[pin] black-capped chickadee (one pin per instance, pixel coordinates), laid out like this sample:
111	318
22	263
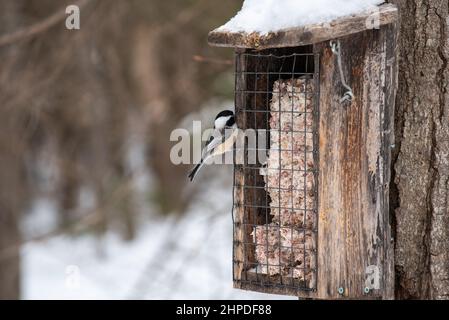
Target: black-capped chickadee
221	141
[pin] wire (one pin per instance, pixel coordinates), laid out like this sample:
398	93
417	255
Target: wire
336	50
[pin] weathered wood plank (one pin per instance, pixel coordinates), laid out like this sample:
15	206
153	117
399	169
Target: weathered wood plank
251	197
354	228
389	40
306	35
239	181
264	283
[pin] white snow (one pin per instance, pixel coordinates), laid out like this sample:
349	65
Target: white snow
185	258
264	16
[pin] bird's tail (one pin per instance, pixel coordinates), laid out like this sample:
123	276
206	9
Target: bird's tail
195	170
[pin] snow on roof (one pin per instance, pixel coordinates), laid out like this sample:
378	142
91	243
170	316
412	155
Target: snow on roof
264	16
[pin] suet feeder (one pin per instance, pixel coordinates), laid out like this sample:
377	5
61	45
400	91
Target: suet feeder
312	219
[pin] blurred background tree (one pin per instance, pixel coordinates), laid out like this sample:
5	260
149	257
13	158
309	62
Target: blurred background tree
70	101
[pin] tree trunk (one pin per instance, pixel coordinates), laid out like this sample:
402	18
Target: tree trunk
9	233
12	191
420	184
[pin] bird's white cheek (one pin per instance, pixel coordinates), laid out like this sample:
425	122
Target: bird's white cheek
220	123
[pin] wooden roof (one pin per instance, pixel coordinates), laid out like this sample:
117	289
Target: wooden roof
305	35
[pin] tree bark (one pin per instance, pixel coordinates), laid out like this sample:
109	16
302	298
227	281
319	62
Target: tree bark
9	231
12	189
420	184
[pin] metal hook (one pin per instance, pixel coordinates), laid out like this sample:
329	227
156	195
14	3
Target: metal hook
348	96
336	50
334	47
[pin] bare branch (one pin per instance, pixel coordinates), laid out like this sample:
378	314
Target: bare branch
199	58
37	28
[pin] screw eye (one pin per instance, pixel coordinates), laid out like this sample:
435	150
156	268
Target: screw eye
341	290
367	290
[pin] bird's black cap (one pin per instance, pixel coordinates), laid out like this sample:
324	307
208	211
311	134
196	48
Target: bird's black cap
224	113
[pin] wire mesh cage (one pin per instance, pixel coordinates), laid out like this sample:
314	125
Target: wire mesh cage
276	182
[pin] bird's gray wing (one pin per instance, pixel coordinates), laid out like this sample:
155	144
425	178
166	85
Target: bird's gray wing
227	143
212	145
215	139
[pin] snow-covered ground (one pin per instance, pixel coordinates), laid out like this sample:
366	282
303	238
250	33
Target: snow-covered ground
184	258
271	15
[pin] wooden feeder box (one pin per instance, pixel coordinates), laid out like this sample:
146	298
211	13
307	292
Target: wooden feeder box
312	218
